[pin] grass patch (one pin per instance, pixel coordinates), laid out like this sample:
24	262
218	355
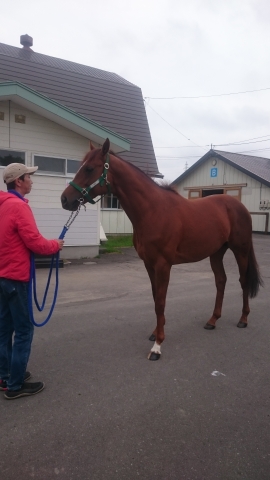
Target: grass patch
114	244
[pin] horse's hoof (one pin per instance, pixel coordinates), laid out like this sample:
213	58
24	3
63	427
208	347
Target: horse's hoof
241	324
152	338
208	326
154	356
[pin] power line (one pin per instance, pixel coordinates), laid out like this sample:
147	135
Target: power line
243	142
208	96
257	150
172	125
186	156
240	142
187	146
254	138
196	156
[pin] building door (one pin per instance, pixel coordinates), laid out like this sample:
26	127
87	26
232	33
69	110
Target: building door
233	191
206	193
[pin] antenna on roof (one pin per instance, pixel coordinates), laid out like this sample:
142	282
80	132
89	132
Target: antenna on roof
26	41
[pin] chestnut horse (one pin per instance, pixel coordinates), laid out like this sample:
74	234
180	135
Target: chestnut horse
169	229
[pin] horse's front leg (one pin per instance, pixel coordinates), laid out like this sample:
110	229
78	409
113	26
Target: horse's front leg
160	281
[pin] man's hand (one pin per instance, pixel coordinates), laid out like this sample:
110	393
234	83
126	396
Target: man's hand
60	243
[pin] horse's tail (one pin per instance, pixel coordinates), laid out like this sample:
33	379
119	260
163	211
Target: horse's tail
254	278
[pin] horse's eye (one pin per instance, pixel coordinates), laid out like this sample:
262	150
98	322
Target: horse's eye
89	169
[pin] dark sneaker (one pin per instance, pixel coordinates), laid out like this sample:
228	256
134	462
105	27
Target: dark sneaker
25	390
27	376
3	383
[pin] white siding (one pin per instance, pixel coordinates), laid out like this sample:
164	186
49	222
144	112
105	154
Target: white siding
51	223
39	136
115	222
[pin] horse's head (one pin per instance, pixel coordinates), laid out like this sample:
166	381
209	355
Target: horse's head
90	180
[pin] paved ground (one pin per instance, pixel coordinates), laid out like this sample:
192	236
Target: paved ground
107	413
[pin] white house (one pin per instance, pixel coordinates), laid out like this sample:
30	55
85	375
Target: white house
50	110
242	176
37	131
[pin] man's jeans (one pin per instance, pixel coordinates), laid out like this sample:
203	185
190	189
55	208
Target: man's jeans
14	318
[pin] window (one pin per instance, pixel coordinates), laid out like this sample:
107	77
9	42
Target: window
56	166
233	191
8	156
110	201
72	166
194	194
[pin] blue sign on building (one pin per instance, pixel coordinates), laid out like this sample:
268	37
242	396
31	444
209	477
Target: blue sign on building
213	172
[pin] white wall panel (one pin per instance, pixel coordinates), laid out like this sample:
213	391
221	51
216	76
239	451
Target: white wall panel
82	232
39	136
115	222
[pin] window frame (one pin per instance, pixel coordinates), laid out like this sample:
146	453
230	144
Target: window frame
55	174
12	150
110	209
225	188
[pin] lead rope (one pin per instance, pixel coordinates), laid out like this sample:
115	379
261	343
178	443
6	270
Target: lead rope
32	290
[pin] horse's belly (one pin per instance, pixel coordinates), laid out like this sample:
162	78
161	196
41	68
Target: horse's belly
196	248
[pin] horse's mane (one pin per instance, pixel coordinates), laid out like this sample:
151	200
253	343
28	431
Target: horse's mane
164	185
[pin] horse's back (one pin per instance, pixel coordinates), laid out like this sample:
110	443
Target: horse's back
223	204
206	224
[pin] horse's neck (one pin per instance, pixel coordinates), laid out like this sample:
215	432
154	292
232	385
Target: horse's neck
133	189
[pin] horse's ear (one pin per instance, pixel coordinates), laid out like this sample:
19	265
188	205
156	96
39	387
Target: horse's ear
92	146
105	147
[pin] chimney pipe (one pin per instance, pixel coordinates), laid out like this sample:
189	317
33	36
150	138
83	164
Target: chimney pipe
26	41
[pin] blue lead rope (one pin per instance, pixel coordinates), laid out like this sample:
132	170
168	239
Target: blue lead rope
32	290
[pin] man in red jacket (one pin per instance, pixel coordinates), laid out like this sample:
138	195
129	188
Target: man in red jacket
19	236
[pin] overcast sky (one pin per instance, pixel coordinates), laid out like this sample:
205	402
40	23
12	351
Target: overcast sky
210	49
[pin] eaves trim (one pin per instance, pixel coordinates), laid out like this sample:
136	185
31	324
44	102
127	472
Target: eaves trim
16	90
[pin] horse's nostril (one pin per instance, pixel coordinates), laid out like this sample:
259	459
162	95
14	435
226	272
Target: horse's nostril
63	199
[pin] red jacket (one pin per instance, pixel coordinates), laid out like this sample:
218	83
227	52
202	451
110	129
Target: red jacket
19	236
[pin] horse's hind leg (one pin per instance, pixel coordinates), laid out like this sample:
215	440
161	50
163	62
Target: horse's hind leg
216	262
242	261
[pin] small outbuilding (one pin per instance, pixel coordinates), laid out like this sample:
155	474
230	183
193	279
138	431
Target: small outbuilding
244	177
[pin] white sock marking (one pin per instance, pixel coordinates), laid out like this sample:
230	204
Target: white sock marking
156	348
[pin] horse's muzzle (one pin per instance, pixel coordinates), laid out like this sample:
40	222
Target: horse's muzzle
67	205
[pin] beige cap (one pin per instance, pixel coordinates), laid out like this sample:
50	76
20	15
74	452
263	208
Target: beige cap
15	170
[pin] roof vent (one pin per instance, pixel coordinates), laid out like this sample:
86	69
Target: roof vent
26	41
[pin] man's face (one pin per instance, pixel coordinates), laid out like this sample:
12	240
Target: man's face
25	185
